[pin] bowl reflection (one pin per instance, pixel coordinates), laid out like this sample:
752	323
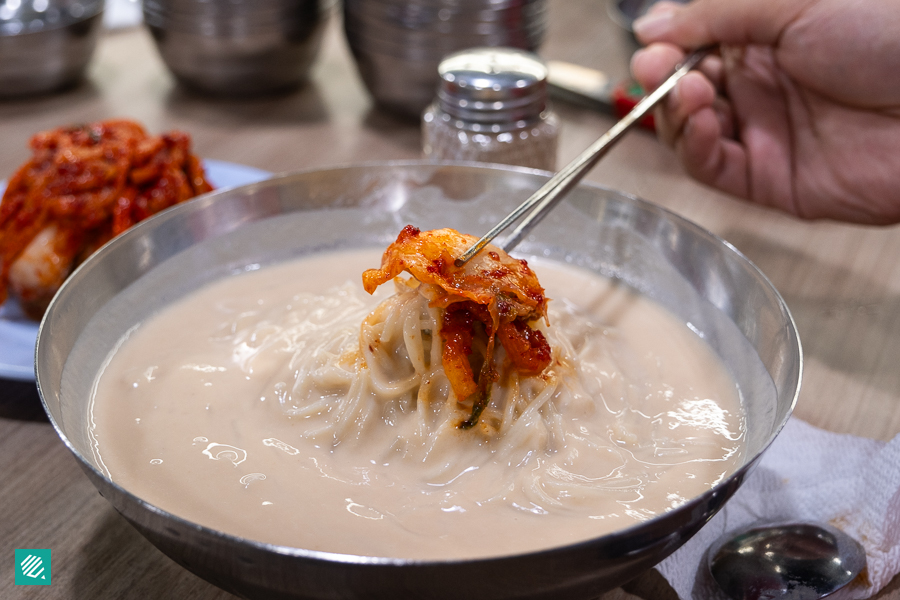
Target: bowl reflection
691	272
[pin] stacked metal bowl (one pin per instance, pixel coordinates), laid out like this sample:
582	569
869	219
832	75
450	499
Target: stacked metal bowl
46	44
398	44
238	47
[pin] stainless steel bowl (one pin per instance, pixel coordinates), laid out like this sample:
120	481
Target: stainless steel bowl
46	45
697	276
235	48
398	45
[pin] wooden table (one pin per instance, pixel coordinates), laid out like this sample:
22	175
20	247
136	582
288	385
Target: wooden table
841	282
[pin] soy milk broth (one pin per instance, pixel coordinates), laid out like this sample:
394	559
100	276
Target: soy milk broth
180	420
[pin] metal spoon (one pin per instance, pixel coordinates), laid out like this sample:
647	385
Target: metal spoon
791	562
543	200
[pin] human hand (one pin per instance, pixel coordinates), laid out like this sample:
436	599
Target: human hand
800	112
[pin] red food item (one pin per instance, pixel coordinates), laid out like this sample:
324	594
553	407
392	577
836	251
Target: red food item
82	186
493	295
526	347
625	96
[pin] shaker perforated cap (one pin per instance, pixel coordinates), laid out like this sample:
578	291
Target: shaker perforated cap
493	85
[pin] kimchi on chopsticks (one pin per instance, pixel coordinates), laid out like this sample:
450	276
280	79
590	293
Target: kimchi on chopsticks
492	298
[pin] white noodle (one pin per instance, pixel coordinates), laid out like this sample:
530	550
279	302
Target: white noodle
344	378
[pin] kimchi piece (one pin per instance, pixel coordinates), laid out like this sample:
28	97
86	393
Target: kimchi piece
82	186
491	298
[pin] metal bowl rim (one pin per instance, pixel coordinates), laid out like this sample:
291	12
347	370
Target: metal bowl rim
56	26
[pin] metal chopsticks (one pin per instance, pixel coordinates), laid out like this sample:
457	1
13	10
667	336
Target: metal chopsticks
549	195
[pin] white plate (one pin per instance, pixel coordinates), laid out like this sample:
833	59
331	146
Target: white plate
18	334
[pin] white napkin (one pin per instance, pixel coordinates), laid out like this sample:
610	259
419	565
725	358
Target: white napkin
809	474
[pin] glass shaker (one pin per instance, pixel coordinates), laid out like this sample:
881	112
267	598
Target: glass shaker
492	106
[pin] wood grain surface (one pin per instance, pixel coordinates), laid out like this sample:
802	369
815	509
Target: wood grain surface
841	282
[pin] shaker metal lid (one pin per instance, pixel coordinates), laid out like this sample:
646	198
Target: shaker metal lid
493	85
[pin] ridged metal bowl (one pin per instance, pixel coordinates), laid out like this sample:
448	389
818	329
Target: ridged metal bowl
238	47
398	45
697	276
46	45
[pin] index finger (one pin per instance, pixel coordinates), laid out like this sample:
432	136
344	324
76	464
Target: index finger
704	22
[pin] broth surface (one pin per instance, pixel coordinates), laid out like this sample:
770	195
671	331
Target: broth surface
192	415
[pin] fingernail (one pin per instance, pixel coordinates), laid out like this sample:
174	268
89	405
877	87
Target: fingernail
674	98
653	25
638	54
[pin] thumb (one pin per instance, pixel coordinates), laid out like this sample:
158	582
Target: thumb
703	22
